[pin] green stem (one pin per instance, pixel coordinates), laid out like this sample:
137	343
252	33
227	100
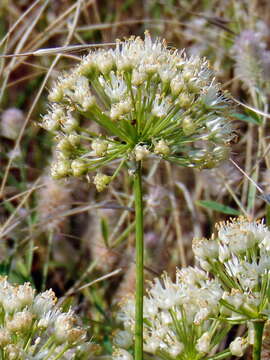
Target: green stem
139	263
267	214
257	348
61	353
47	260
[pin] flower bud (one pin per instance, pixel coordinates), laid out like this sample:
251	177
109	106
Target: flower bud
5	337
238	346
49	123
13	352
123	339
75	335
74	139
152	345
79	167
176	349
63	324
203	344
121	354
224	253
185	100
61	168
162	148
141	152
65	147
88	102
187	74
101	181
100	147
188	125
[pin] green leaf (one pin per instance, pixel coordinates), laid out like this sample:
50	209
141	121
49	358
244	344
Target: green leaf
105	231
251	118
213	205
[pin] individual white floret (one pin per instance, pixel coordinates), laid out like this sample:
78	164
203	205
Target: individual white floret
151	345
224	253
104	61
205	249
191	275
161	107
121	354
82	94
116	89
204	343
56	93
167	294
176	349
177	84
5	337
238	346
123	339
44	302
21	322
48	318
139	76
70	124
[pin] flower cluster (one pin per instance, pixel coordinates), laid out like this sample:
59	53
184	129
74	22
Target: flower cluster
179	317
188	318
240	258
32	326
148	101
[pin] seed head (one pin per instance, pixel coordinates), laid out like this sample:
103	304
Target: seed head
11	122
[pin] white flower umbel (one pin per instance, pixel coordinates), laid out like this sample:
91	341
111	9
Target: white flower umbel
146	98
33	327
240	258
179	317
242	267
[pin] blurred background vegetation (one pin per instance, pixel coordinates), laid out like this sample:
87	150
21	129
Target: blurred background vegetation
65	235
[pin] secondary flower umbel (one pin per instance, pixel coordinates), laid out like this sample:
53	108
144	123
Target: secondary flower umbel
148	100
239	258
34	327
179	317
